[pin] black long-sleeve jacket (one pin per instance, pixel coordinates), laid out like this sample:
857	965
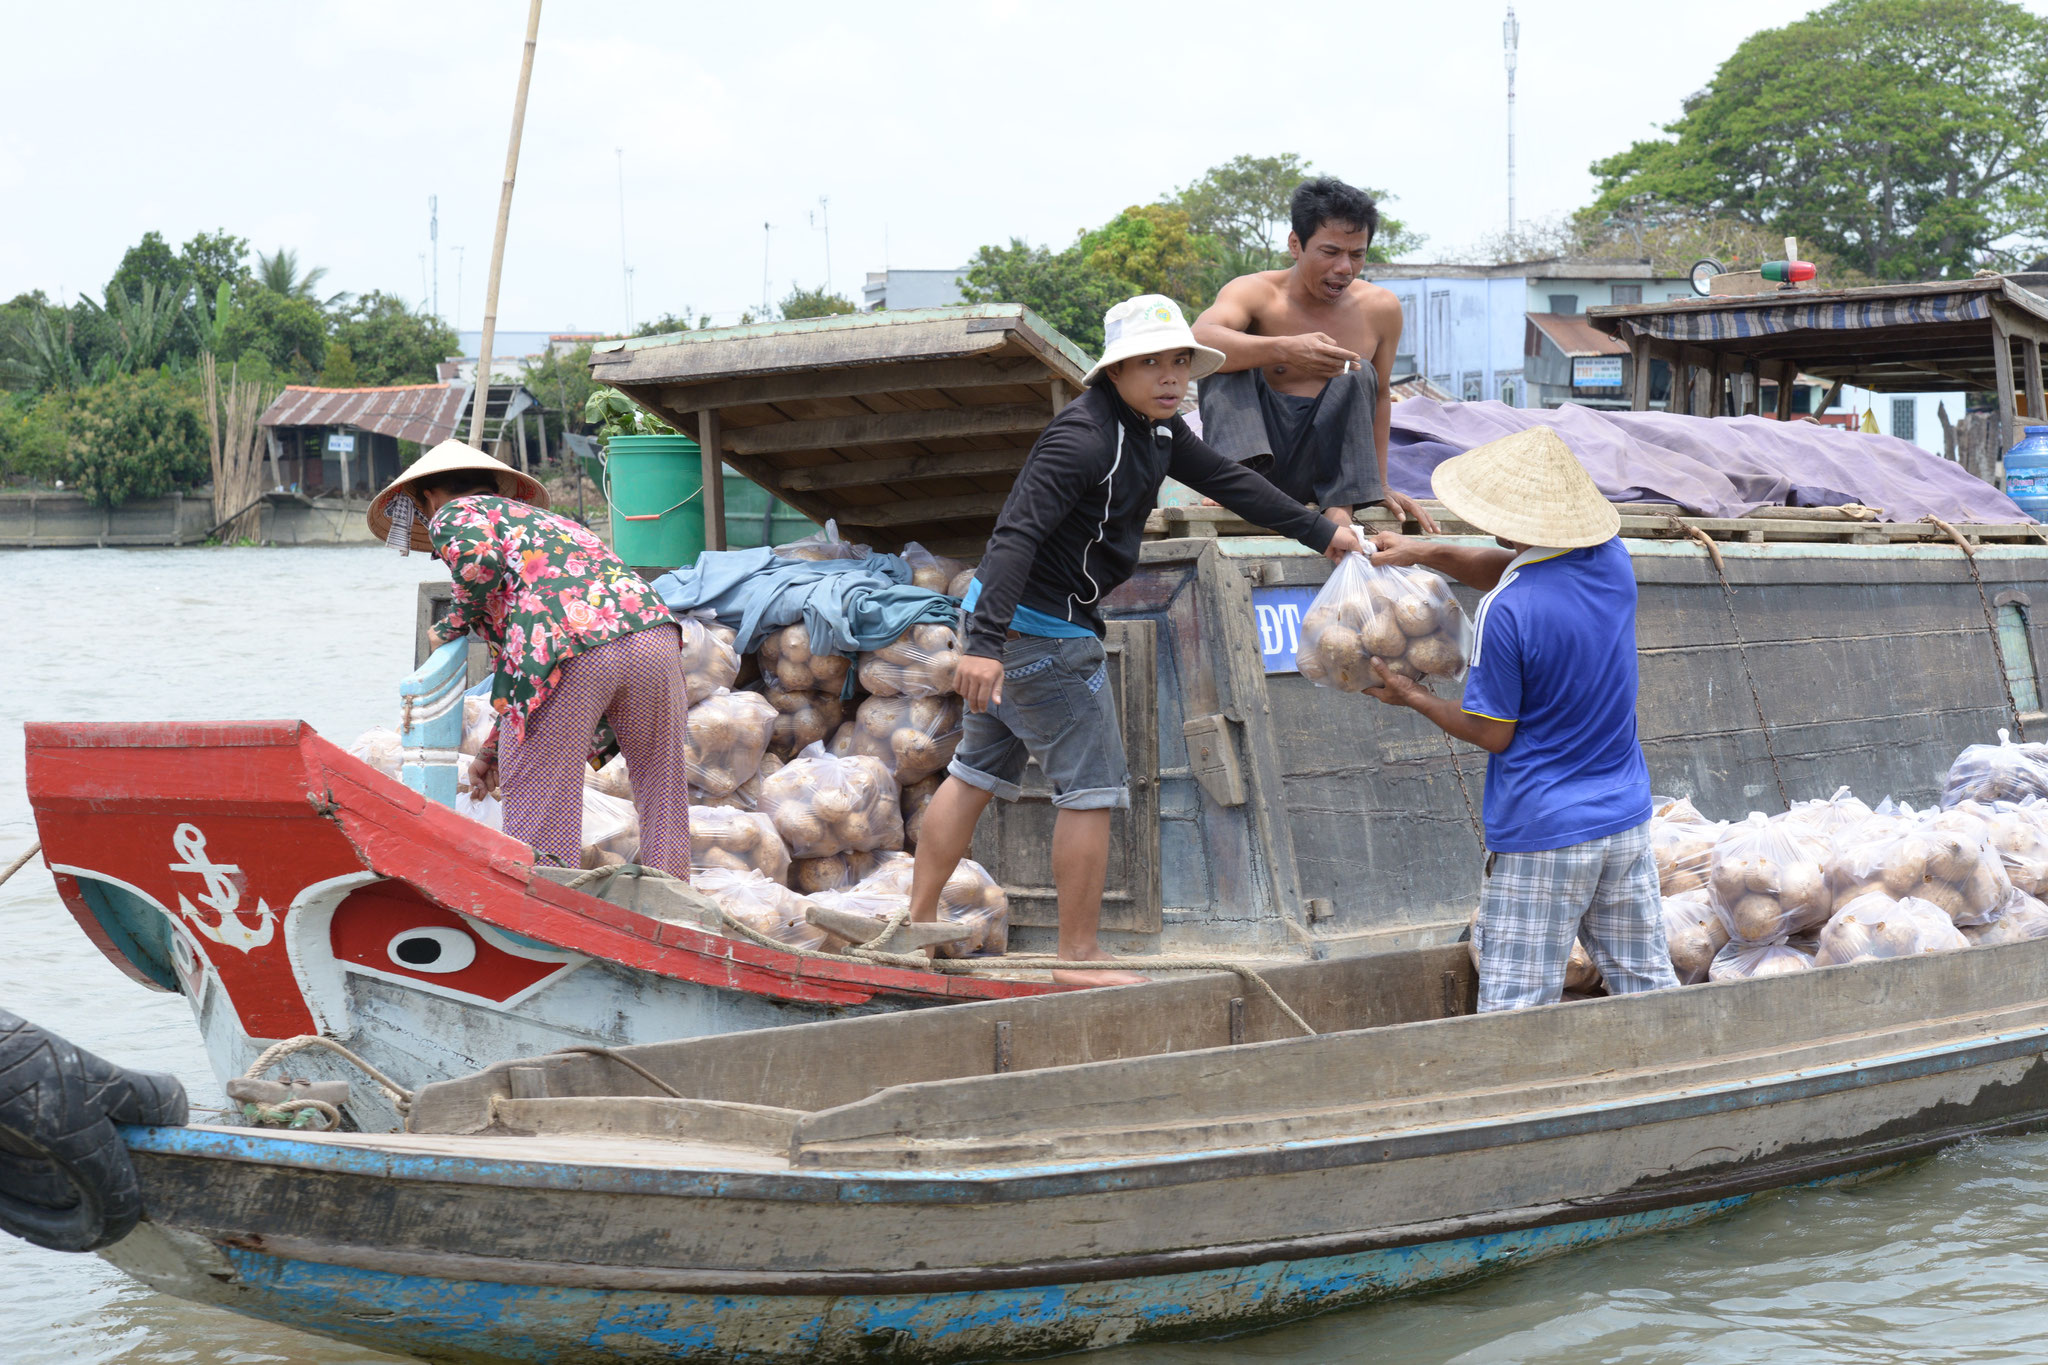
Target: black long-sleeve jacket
1070	529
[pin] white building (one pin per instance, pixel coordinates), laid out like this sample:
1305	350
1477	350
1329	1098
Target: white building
901	289
1468	328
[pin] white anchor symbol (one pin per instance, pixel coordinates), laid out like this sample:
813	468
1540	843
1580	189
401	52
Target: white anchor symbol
222	896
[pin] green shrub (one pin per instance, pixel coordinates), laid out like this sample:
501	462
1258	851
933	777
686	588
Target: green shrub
33	435
137	436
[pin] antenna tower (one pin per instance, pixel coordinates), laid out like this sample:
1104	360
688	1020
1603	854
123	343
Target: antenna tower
1510	40
434	236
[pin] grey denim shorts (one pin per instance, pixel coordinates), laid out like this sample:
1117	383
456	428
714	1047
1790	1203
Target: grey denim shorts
1056	708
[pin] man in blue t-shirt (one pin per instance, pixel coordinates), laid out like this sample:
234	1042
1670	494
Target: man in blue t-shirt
1552	696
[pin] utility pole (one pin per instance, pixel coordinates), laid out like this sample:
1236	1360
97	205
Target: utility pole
767	231
490	337
434	236
1510	40
625	271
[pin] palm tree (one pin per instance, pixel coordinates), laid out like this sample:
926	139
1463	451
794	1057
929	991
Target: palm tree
279	272
40	352
143	326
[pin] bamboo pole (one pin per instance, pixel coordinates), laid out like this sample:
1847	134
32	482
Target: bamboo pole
490	337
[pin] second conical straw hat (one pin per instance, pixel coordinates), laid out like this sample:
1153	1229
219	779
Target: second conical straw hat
1527	487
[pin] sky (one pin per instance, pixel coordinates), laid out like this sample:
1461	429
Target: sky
916	131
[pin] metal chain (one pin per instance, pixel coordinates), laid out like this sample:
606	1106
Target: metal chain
1471	812
1741	649
1990	622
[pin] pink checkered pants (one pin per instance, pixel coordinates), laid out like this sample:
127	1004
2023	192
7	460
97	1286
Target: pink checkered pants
635	682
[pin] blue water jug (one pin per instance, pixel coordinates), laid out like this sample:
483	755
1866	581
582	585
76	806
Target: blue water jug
2026	473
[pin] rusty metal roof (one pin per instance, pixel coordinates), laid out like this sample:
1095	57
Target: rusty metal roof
426	413
1573	334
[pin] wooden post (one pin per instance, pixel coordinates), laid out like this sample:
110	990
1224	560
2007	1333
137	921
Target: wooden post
1788	374
714	479
519	438
2037	401
1639	377
1059	395
490	337
276	475
1717	385
2001	364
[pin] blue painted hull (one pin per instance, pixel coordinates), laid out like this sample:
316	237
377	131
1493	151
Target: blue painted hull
455	1320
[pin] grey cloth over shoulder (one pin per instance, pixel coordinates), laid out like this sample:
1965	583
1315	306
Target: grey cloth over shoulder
1316	449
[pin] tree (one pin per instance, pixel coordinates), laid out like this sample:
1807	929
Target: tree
212	259
34	434
391	343
38	346
144	328
136	436
279	273
1670	241
562	382
673	322
1907	136
1152	249
1244	205
151	263
815	303
1060	287
289	333
338	368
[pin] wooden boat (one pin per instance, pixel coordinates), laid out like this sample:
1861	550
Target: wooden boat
1269	818
1025	1177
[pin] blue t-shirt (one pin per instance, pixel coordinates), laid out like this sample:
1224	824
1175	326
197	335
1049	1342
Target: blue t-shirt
1025	621
1554	650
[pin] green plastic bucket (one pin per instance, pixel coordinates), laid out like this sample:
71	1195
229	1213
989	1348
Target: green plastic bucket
753	517
651	487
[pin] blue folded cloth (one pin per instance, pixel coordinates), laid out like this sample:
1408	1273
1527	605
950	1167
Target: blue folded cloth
849	605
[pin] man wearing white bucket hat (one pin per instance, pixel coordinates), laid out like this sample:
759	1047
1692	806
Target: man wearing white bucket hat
1032	669
1551	695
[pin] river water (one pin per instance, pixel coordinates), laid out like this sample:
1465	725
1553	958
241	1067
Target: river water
1944	1261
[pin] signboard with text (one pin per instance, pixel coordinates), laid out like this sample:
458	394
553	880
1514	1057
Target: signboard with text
1596	371
1279	610
341	442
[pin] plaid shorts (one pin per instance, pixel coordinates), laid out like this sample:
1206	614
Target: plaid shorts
1602	892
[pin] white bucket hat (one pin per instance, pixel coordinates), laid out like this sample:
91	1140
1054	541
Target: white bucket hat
1147	325
1527	487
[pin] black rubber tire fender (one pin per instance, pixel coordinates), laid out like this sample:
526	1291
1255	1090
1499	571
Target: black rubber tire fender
66	1182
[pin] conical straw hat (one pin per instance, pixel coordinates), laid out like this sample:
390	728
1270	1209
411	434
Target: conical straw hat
444	458
1527	487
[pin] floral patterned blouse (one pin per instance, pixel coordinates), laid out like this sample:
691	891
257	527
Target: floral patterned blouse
539	588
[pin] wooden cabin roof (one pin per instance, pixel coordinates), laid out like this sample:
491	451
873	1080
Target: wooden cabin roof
901	425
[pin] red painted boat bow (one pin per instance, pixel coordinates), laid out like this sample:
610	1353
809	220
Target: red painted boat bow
282	809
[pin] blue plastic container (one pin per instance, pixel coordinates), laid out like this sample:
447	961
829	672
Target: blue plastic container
2026	473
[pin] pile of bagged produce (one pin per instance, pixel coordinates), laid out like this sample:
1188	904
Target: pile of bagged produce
1836	880
809	771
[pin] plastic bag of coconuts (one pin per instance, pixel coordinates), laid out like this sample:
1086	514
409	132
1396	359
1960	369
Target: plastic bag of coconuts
789	665
1742	961
2025	917
709	659
916	796
970	896
823	544
958	587
918	663
2019	835
1875	925
834	871
802	719
736	840
1406	618
1681	841
914	737
927	570
1768	880
766	907
728	733
1693	934
747	795
1997	772
381	750
1940	858
822	804
1833	817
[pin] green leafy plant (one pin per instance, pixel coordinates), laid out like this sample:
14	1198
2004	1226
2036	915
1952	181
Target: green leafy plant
136	436
614	414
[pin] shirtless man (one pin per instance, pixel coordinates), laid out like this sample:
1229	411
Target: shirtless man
1308	352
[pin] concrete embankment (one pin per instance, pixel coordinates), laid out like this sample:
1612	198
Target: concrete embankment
54	520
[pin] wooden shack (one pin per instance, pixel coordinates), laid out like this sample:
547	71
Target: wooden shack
1981	335
1810	649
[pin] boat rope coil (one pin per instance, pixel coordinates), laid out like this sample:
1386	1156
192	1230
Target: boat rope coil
400	1097
1990	622
292	1114
1741	648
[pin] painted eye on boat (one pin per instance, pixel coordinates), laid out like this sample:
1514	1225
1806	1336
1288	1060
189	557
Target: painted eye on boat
432	948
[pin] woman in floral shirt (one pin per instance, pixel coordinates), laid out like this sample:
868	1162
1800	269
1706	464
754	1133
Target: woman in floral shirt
577	638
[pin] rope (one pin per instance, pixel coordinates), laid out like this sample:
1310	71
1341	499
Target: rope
1471	813
613	508
292	1114
19	863
400	1097
1990	622
627	1062
1741	649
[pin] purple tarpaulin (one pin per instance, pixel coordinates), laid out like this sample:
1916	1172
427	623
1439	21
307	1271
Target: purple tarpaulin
1709	466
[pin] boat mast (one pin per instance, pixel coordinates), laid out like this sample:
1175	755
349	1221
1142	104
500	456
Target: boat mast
483	360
